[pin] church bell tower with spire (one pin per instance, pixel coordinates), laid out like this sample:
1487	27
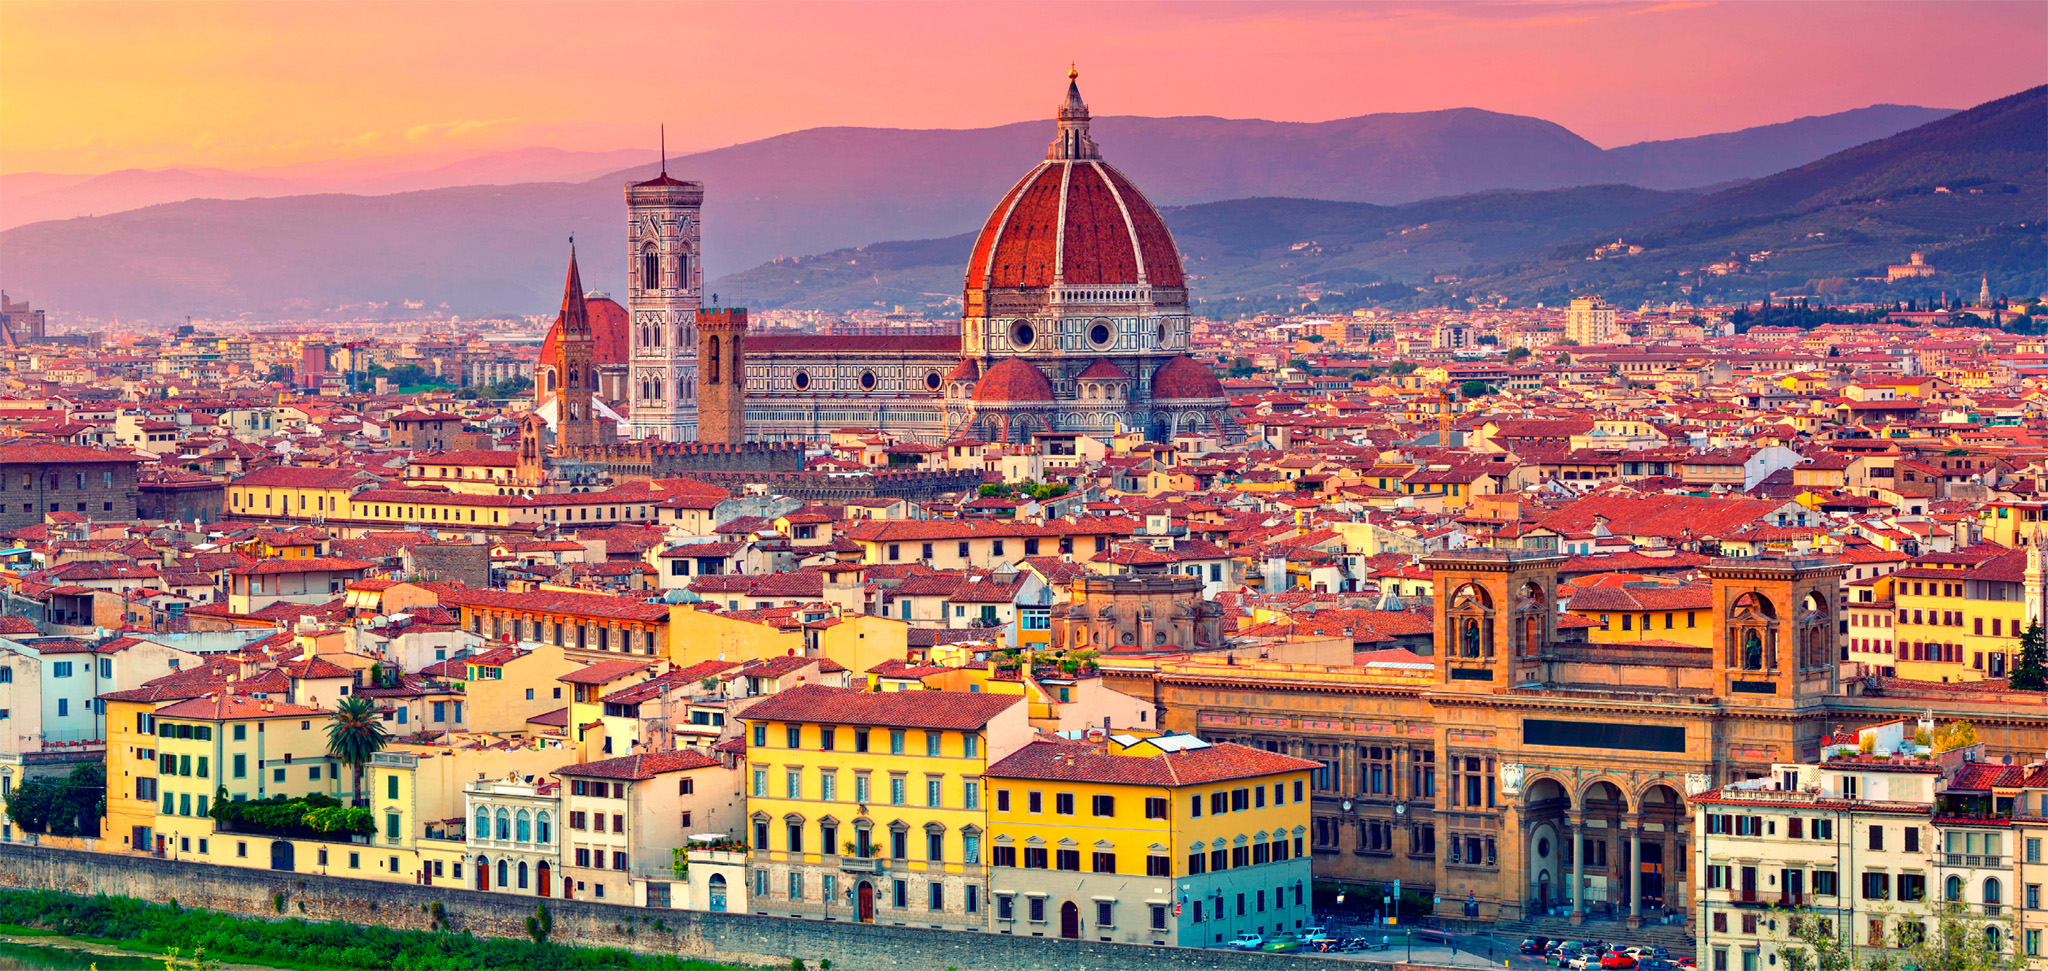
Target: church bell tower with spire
663	293
573	370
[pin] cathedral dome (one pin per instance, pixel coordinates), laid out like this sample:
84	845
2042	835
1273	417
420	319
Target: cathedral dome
1014	379
1074	219
1180	379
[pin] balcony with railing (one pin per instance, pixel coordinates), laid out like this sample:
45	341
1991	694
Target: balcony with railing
1993	861
1793	898
1745	895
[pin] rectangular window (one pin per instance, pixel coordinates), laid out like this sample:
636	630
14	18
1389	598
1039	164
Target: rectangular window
1155	808
1063	803
931	744
896	742
1103	862
1105	805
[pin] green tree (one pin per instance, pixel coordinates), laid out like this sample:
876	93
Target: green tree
71	806
278	372
1518	353
1959	940
540	925
2031	672
1403	367
355	734
1472	389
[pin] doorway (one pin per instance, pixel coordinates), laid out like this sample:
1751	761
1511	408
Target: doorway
1070	921
867	902
483	874
547	882
281	855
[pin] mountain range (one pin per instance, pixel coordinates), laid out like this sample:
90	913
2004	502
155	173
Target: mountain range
489	248
1967	188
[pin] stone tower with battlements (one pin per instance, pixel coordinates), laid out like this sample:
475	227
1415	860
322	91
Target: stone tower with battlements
722	366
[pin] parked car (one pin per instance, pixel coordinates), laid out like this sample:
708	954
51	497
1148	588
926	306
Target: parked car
1616	961
1246	941
1535	945
1565	952
1582	961
1654	964
1689	964
1313	931
1641	951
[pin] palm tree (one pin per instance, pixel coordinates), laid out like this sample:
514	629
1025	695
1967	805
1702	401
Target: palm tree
354	735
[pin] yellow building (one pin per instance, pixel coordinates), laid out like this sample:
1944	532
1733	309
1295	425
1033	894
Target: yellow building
1958	616
1151	839
856	641
236	747
869	807
1646	611
506	686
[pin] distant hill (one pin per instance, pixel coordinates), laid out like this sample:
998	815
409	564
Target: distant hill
27	197
1708	160
1969	190
816	191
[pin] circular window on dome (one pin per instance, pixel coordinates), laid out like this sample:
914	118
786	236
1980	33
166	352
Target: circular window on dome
1100	334
803	380
1162	333
931	380
1021	335
867	380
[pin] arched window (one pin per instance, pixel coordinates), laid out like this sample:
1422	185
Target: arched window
1954	889
683	270
1993	891
650	268
523	828
739	375
522	874
483	824
711	362
503	872
504	831
717	894
543	828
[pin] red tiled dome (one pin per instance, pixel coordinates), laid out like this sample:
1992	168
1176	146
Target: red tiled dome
1181	378
1014	379
1075	219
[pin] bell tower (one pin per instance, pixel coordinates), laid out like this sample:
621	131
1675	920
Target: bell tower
576	424
722	364
1776	620
1496	616
664	276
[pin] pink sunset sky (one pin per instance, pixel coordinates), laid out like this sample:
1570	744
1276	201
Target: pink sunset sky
97	86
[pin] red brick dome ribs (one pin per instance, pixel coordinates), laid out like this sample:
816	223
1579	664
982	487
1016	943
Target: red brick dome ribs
1180	379
1074	219
1099	231
1014	379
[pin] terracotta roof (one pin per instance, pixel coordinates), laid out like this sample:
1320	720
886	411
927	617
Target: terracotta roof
582	604
225	706
643	766
311	564
1067	761
603	672
894	709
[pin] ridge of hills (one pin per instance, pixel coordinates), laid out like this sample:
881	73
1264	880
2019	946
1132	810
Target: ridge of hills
470	249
